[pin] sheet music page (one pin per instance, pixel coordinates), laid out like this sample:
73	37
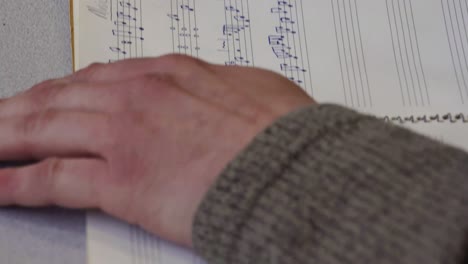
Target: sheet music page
113	241
403	60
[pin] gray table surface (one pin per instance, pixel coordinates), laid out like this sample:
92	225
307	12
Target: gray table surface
34	46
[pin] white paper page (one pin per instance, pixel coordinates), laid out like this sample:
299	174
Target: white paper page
113	241
401	59
388	57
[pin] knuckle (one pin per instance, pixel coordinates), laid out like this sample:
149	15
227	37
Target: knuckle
54	168
42	85
21	188
47	94
179	61
92	70
40	95
188	70
114	97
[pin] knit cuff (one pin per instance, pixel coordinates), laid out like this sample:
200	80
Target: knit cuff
328	184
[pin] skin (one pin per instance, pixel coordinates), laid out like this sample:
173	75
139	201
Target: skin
142	140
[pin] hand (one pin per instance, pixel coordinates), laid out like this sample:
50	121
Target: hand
142	140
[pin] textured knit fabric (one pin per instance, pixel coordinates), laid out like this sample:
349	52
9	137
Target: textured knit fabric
328	185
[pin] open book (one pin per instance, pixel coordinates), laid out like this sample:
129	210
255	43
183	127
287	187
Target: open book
405	61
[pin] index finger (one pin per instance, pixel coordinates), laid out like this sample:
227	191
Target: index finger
53	133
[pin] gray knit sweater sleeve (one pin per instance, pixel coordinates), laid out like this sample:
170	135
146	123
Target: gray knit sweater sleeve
328	185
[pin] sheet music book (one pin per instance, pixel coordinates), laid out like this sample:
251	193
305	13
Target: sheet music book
405	61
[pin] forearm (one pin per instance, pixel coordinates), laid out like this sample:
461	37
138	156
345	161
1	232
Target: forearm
328	185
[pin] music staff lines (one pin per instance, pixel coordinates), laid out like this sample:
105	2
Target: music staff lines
455	18
185	31
144	247
127	18
351	55
408	62
236	39
289	42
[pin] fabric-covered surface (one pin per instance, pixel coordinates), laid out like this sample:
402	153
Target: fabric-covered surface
34	46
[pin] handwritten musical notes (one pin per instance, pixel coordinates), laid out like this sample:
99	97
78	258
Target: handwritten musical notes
339	50
289	42
184	28
236	39
99	8
127	20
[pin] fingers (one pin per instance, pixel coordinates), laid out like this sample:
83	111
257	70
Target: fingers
59	94
120	70
96	88
118	86
64	182
179	66
53	133
23	103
